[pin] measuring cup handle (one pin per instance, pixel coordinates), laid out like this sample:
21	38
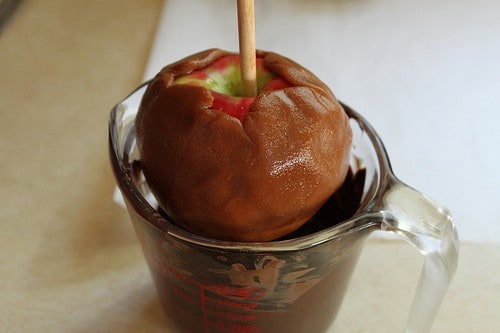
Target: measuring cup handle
429	227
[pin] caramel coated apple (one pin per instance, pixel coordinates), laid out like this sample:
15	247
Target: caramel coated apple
241	168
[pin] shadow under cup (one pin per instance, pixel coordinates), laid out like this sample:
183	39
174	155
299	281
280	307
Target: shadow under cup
293	285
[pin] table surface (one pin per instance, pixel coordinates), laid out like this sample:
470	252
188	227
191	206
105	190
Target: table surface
69	259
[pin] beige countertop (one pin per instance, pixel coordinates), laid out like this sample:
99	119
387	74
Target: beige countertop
69	260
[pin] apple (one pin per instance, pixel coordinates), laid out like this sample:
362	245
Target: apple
239	168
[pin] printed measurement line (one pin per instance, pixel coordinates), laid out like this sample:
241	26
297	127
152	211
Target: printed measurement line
204	312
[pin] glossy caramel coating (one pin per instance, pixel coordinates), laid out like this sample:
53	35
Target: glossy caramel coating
252	180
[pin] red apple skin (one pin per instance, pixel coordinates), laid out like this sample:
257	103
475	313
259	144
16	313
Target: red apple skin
237	107
254	177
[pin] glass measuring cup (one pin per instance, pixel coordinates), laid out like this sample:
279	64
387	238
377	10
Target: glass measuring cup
294	285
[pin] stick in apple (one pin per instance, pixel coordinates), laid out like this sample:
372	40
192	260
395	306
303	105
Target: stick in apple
246	34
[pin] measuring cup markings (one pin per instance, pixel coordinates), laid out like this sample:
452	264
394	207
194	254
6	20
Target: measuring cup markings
185	296
246	293
224	327
232	315
231	304
214	301
221	319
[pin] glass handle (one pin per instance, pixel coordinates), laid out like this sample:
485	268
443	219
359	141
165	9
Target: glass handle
429	227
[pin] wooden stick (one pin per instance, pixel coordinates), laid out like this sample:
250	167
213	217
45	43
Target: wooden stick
246	34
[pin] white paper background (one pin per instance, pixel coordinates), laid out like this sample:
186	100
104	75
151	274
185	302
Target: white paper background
425	73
